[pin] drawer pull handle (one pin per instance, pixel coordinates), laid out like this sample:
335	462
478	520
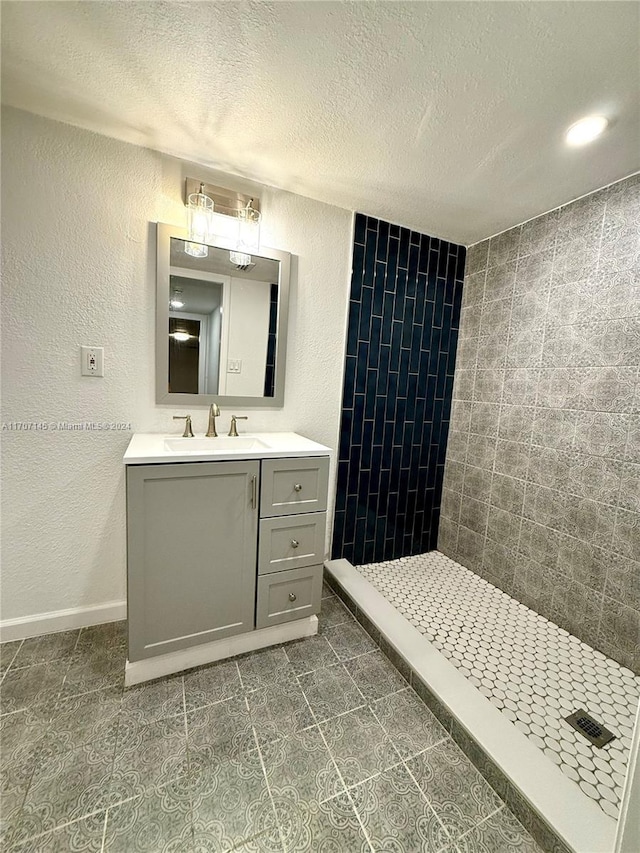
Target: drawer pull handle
297	487
292	596
294	543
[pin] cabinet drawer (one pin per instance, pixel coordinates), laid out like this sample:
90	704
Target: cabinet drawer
291	486
285	596
291	542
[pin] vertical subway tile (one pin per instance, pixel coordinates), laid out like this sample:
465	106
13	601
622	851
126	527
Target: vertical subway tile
406	296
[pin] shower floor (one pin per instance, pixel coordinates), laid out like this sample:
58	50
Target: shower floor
533	671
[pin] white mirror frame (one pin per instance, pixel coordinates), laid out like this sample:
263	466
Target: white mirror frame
164	235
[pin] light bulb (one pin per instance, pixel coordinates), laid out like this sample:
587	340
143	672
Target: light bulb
586	130
180	336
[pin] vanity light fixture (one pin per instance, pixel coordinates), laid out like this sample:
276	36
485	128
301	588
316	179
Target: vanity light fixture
586	130
199	223
235	221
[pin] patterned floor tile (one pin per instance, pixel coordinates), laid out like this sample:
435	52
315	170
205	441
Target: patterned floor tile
154	700
375	675
264	668
46	648
302	761
395	815
279	710
500	833
32	685
8	652
333	613
408	722
534	672
94	671
457	793
21	729
82	835
210	684
111	637
82	719
150	755
219	732
327	592
232	798
65	787
14	784
358	745
308	826
349	640
310	654
331	691
159	821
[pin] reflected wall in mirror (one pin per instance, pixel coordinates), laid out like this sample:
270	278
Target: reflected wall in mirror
221	327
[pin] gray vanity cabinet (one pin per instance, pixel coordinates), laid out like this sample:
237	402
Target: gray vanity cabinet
192	549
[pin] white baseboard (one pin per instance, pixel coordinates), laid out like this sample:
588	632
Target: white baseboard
145	670
61	620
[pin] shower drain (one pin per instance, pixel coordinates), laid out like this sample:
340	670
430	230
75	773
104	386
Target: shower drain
590	728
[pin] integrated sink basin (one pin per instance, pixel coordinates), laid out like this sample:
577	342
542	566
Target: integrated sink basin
214	445
155	448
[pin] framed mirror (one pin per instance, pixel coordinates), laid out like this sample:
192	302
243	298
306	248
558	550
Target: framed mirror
221	332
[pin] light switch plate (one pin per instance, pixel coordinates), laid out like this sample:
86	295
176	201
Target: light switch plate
92	361
234	365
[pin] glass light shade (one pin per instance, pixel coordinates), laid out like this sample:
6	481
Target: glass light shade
249	229
196	250
199	216
240	259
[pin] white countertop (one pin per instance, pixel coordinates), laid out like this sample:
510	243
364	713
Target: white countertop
152	448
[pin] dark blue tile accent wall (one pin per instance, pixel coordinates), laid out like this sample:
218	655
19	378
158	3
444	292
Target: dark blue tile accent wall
270	371
404	315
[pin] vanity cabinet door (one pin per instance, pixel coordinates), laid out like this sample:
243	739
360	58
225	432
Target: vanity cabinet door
191	554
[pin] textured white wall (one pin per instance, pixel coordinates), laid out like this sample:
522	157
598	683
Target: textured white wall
79	268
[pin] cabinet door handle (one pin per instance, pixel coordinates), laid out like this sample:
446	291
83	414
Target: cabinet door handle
297	487
294	543
254	492
292	596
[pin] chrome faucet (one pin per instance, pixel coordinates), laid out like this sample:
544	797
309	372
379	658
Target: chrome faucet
233	430
214	411
188	432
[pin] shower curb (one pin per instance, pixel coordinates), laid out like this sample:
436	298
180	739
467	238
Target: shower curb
549	805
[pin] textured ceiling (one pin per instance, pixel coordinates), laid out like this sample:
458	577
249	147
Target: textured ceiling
444	116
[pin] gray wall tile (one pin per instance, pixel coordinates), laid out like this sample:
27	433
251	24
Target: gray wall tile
548	398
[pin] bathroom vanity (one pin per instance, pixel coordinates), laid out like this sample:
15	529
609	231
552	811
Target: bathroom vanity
225	545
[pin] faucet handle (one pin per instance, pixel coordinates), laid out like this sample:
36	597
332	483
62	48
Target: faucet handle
188	432
233	429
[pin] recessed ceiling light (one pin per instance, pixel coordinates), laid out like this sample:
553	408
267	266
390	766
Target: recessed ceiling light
586	130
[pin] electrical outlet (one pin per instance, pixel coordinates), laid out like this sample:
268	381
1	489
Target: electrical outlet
234	365
92	363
